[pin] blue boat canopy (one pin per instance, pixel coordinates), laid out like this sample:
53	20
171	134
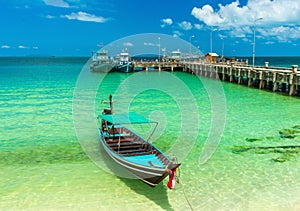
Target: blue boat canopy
128	118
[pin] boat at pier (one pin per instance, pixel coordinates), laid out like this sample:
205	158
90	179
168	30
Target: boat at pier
176	55
131	151
125	65
101	62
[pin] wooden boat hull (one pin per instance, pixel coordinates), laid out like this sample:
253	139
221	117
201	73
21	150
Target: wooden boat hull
151	176
132	152
124	68
102	67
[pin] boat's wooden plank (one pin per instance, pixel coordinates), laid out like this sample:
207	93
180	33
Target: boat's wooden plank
124	143
127	147
139	153
118	136
130	151
118	140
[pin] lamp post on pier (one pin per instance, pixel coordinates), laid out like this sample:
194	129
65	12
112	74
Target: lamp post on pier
211	38
211	32
158	49
254	34
191	44
222	38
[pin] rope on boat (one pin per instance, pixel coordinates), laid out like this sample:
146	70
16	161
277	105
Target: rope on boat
178	180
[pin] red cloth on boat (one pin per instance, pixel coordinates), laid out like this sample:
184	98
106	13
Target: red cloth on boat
171	183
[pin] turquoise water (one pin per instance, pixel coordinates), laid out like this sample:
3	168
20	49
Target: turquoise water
286	61
43	165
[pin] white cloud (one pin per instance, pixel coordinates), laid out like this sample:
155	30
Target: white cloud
149	44
198	26
83	16
233	14
240	32
177	33
57	3
185	25
276	14
207	15
282	33
269	43
246	40
5	46
19	47
128	44
50	17
22	47
166	22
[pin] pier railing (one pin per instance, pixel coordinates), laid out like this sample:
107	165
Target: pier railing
277	79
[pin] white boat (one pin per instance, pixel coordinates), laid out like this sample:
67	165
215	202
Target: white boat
176	55
125	65
101	62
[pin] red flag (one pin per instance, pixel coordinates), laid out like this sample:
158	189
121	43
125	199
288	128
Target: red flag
172	181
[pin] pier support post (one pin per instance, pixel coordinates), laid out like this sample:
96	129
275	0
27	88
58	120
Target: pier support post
276	83
240	78
231	75
212	68
250	79
223	74
261	80
159	68
198	69
250	82
292	85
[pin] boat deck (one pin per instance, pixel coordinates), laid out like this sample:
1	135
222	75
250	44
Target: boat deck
133	148
150	160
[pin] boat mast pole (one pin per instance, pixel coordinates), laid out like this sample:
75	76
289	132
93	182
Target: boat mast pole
156	124
111	103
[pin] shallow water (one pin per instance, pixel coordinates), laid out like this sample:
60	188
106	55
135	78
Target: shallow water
44	167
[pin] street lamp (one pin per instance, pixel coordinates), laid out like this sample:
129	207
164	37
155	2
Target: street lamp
222	38
158	49
211	38
253	50
164	55
191	44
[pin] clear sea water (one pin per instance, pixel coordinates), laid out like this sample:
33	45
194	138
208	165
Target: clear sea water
43	165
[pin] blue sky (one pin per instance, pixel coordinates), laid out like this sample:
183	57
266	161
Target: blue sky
77	27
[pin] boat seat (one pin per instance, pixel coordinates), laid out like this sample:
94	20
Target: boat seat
126	146
127	143
116	135
126	152
139	153
121	140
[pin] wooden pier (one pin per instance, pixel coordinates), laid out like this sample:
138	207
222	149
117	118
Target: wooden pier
284	80
158	66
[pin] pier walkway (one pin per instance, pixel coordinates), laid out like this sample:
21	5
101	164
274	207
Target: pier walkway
276	79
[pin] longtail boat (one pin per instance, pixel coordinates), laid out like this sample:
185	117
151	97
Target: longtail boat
131	151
